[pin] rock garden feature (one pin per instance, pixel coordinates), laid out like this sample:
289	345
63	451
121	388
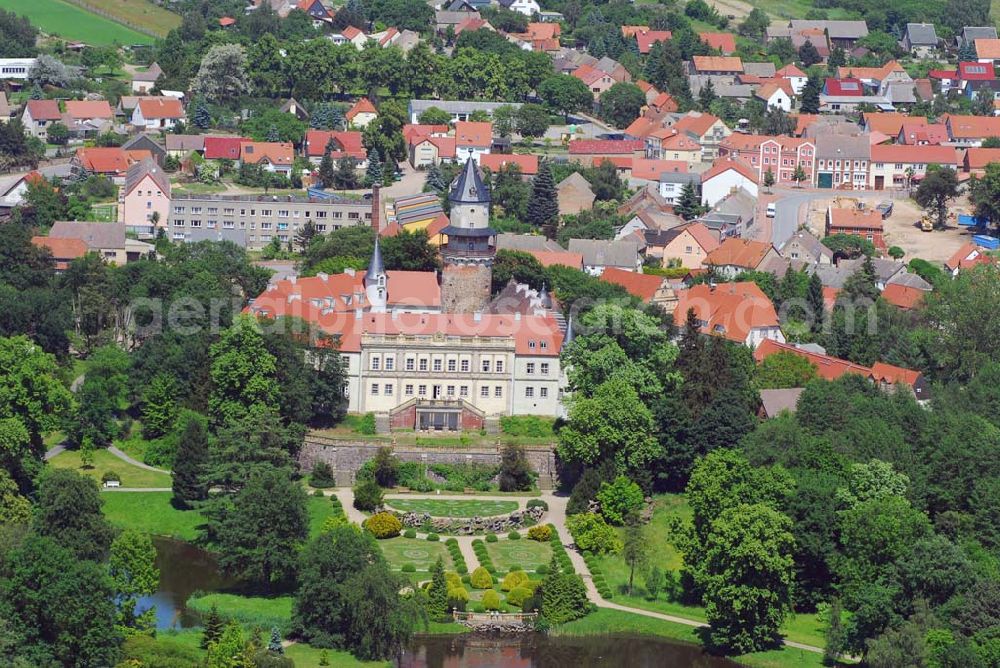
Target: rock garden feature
474	525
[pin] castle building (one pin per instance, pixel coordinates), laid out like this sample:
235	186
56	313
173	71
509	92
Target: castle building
429	355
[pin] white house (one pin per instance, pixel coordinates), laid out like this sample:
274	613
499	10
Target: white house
725	177
526	7
157	113
774	96
16	68
795	76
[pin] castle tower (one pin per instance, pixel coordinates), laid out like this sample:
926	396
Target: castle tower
468	256
376	288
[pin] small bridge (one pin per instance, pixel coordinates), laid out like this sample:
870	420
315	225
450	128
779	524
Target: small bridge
495	619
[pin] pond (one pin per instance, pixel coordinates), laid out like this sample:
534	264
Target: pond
186	568
537	651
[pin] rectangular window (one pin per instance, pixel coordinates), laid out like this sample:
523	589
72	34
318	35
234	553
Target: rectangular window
499	366
465	366
484	391
498	391
530	367
422	390
486	365
376	363
390	363
388	389
437	365
529	392
543	392
545	368
451	366
423	364
409	364
408	390
451	390
375	389
463	391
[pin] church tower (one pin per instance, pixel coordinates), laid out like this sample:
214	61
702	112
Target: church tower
376	284
468	256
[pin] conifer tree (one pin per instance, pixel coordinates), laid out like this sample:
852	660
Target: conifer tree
201	118
304	237
274	645
688	205
189	463
814	296
326	171
435	180
809	104
437	597
374	173
706	96
337	119
36	92
213	627
543	205
346	176
769	179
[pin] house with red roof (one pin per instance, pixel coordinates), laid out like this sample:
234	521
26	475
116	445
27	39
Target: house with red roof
592	151
774	95
922	134
724	42
316	10
706	129
112	162
968	256
648	288
779	155
726	176
276	157
645	37
226	21
795	76
717	65
87	118
974	160
597	80
687	245
157	113
63	250
827	367
38	115
855	222
904	297
346	143
362	113
473	139
735	255
739	312
431	149
350	35
674	145
971	130
896	165
846	87
525	162
223	147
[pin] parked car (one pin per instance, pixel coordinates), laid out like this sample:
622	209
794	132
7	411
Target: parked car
771	210
885	208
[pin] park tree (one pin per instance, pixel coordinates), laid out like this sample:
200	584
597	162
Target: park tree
133	572
242	372
543	205
48	71
938	187
260	533
622	103
69	512
222	74
213	626
159	406
563	596
531	120
190	461
565	94
14	508
748	577
437	595
621	500
516	474
635	552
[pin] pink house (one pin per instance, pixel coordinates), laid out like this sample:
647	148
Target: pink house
146	196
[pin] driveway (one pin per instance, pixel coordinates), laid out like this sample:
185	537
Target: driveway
788	208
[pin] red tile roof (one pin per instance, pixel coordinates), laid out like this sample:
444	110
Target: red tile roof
606	146
887	373
496	161
44	110
276	153
847	87
918	133
903	296
855	219
562	258
472	133
651	170
646	39
739	253
966	257
414	131
731	310
112	160
346	143
696	123
161	107
907	154
717	64
223	148
973	127
227	21
723	41
978	158
62	249
362	106
790	70
722	165
641	286
988	49
828	368
589	74
889	122
84	109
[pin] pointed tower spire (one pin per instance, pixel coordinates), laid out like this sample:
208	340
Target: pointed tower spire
375	265
544	296
568	338
469	187
376	288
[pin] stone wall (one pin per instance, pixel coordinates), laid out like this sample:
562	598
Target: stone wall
465	288
346	457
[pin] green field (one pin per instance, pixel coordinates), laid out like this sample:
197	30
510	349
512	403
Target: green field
142	13
453	507
56	17
131	476
528	554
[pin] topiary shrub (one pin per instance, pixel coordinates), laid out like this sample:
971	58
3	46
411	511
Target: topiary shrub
433	537
383	525
367	495
409	568
491	600
515	579
322	476
481	578
491	538
513	535
542	533
458	597
591	532
410	533
318	492
517	596
537	503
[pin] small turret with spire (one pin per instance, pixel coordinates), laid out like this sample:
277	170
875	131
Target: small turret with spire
376	288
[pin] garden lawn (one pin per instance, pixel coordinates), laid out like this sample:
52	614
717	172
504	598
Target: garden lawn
528	554
131	476
68	21
152	513
306	656
454	507
421	553
261	611
319	508
606	622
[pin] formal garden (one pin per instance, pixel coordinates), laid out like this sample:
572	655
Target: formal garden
453	507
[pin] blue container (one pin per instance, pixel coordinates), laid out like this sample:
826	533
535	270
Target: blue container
986	241
965	220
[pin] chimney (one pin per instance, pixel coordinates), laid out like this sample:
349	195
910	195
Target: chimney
376	209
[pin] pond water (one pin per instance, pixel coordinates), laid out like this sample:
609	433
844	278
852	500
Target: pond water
186	569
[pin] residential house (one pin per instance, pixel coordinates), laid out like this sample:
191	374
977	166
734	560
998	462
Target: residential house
919	134
346	143
856	222
431	149
112	162
842	161
594	151
779	155
526	7
971	130
600	254
671	182
574	194
180	146
598	81
143	142
734	256
988	50
14	188
614	69
143	81
723	42
144	200
317	11
108	240
904	297
968	256
39	115
362	113
920	39
843	87
717	65
896	166
889	123
796	77
472	139
276	157
971	33
88	118
732	216
686	245
974	160
526	163
157	113
806	248
351	35
445	18
739	312
645	37
672	144
538	37
223	147
774	96
876	79
708	130
460	110
844	34
63	251
650	289
292	106
726	176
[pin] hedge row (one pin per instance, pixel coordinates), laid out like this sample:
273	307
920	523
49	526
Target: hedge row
597	575
559	552
456	556
484	557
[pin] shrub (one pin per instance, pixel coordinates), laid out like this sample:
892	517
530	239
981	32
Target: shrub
410	533
591	532
537	503
467	579
515	567
433	537
383	525
513	535
518	595
478	607
318	493
516	474
453	579
491	538
366	425
620	499
481	578
322	476
491	600
367	495
386	468
564	598
409	568
515	579
542	533
108	476
542	570
458	597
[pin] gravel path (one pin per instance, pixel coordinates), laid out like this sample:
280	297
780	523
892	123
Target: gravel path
125	458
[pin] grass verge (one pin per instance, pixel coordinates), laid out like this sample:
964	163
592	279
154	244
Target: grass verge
131	476
151	512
